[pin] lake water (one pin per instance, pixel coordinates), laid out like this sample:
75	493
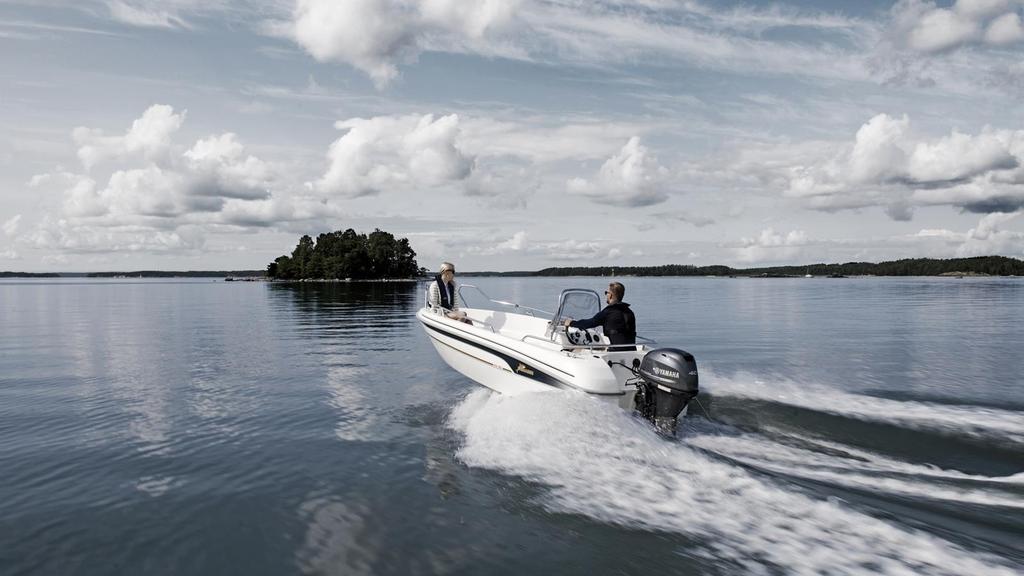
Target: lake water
202	427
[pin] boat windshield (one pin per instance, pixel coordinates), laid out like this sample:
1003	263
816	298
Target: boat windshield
576	304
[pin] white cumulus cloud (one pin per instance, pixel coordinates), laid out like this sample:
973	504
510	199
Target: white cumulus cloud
564	250
887	165
989	236
220	167
771	246
142	191
385	151
924	26
1005	29
149	136
633	177
375	36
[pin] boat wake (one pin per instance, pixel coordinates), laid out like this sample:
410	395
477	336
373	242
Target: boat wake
1005	427
757	496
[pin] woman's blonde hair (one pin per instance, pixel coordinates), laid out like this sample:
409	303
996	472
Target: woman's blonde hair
446	266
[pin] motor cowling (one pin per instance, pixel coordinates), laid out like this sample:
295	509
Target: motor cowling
668	381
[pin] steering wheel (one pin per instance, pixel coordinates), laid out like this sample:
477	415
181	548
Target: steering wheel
577	336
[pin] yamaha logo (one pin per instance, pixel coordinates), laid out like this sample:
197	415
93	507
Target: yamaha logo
666	373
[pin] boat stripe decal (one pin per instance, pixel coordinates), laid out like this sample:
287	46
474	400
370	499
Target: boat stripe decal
464	353
448	332
516	366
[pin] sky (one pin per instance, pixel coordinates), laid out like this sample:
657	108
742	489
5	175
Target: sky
510	134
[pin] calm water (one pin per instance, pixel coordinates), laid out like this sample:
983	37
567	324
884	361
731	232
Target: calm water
199	427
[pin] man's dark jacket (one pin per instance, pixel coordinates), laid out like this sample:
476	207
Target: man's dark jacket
617	321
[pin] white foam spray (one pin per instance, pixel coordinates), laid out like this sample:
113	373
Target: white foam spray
845	466
1005	426
597	461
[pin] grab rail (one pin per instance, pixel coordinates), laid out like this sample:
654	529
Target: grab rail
529	310
606	347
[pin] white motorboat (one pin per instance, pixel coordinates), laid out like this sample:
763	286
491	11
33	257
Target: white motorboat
513	349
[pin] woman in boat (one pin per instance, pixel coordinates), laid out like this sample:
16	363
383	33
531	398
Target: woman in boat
444	293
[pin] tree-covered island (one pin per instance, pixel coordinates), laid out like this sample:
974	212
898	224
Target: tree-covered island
339	255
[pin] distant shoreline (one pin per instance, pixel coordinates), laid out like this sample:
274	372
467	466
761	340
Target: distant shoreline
953	267
491	275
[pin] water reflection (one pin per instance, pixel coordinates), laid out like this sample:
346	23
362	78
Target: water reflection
337	539
319	296
357	331
373	311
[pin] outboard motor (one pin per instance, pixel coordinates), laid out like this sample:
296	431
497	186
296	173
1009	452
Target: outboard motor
668	381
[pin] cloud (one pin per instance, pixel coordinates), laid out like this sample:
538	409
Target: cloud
542	140
10	227
939	29
960	157
888	166
369	35
986	238
517	243
219	166
279	212
471	19
566	250
877	155
150	191
900	211
141	191
1005	29
632	178
388	151
144	15
376	35
149	136
38	180
771	246
67	236
572	250
966	48
503	186
10	254
687	217
80	198
981	195
922	26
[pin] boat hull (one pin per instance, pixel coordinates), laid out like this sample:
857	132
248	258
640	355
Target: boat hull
510	368
483	366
